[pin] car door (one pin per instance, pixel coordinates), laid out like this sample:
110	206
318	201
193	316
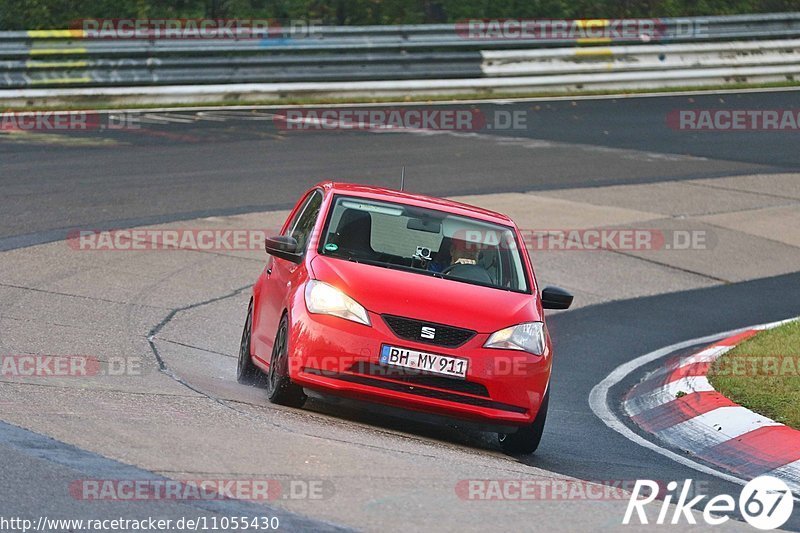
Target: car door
280	276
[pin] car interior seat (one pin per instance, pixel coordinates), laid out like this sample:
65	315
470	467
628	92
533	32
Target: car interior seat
354	232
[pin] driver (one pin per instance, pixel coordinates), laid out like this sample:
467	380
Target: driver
461	253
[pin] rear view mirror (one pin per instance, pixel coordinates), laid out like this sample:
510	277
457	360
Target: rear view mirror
556	298
283	247
428	225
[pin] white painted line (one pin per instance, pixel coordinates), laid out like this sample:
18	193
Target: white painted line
240	114
213	117
775	324
166	118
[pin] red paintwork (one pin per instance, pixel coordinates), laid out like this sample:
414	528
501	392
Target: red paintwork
333	344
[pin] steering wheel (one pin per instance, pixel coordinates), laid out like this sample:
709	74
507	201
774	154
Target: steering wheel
450	268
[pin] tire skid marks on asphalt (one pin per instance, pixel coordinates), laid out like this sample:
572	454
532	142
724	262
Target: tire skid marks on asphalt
179	117
680	410
759	451
789	472
638	404
537	144
679	377
215	115
709	355
661	378
692	365
714	427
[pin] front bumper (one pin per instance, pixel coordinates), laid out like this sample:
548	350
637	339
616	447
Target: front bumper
335	356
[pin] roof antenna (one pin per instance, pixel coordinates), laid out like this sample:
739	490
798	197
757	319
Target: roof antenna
403	178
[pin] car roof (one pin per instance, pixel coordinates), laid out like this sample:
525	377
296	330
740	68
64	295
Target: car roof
417	200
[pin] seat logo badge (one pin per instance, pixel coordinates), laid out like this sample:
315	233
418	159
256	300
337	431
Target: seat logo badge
428	332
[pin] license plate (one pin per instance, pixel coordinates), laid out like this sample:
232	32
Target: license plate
426	362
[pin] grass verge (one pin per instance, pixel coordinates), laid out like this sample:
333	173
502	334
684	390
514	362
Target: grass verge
763	374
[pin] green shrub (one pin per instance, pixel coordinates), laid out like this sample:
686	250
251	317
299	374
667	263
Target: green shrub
45	14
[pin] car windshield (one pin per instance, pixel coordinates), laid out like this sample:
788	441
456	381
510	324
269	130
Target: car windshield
424	241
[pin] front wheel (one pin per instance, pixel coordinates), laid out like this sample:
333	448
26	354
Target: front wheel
527	438
280	388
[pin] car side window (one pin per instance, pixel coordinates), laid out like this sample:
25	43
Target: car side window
303	224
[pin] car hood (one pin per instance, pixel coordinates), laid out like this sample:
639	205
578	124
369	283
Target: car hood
395	292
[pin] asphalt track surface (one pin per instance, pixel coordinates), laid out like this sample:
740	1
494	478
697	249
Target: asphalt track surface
204	167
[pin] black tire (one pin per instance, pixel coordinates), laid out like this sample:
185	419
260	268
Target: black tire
280	389
527	438
247	373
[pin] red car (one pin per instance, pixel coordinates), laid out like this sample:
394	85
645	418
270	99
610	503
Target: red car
406	301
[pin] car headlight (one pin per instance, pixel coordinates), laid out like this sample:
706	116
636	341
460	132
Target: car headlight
528	337
325	299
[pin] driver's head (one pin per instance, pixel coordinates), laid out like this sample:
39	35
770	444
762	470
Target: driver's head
461	250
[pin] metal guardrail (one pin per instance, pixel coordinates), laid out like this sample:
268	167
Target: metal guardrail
52	67
643	58
67	58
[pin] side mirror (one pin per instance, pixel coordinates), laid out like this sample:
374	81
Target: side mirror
284	248
556	298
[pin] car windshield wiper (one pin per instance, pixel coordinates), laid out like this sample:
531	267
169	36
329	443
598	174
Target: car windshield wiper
431	273
392	266
363	261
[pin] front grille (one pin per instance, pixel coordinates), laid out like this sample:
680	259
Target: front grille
410	329
414	377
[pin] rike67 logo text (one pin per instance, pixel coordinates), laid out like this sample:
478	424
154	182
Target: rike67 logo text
765	503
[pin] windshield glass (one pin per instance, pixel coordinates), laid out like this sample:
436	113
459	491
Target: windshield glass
424	241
